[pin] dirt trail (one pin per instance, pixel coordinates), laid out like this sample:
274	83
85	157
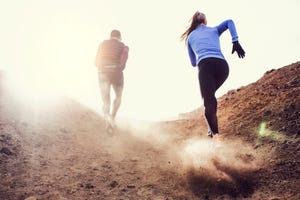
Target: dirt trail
62	151
59	149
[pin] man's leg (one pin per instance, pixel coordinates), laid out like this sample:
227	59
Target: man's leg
105	94
118	89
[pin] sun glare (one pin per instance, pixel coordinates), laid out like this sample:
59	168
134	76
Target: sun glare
58	63
31	90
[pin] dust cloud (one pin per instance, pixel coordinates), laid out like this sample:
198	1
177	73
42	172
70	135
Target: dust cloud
198	155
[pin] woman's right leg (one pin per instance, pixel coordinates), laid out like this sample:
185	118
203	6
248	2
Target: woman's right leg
208	88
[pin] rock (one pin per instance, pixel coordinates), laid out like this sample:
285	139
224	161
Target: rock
131	186
267	113
6	151
89	186
270	71
113	184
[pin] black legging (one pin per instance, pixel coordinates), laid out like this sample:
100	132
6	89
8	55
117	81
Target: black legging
212	74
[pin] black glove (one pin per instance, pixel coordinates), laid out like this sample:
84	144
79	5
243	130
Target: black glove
238	48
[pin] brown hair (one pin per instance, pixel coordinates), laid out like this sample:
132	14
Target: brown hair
197	19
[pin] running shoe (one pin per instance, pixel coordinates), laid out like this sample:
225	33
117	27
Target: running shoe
210	133
217	140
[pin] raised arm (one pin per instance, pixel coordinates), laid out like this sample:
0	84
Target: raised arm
229	24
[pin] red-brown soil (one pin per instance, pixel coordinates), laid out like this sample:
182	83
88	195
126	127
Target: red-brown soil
61	150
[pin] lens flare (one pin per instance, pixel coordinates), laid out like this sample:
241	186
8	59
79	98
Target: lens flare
264	132
262	129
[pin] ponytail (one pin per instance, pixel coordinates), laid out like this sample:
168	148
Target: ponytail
197	19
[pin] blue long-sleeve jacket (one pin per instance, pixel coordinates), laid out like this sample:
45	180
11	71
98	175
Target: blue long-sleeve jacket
204	42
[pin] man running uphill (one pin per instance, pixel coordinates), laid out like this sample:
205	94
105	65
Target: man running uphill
204	51
111	60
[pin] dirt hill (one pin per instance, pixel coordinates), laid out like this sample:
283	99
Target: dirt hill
266	115
60	150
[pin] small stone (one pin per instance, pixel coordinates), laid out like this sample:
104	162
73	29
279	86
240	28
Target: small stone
131	186
267	113
6	151
113	184
89	186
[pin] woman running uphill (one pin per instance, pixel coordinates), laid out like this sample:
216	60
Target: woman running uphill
204	51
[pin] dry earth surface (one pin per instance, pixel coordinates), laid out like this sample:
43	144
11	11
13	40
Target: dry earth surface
62	151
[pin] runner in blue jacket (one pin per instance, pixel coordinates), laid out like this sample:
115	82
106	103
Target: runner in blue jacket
204	51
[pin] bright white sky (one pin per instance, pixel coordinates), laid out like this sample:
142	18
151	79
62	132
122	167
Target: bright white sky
50	45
